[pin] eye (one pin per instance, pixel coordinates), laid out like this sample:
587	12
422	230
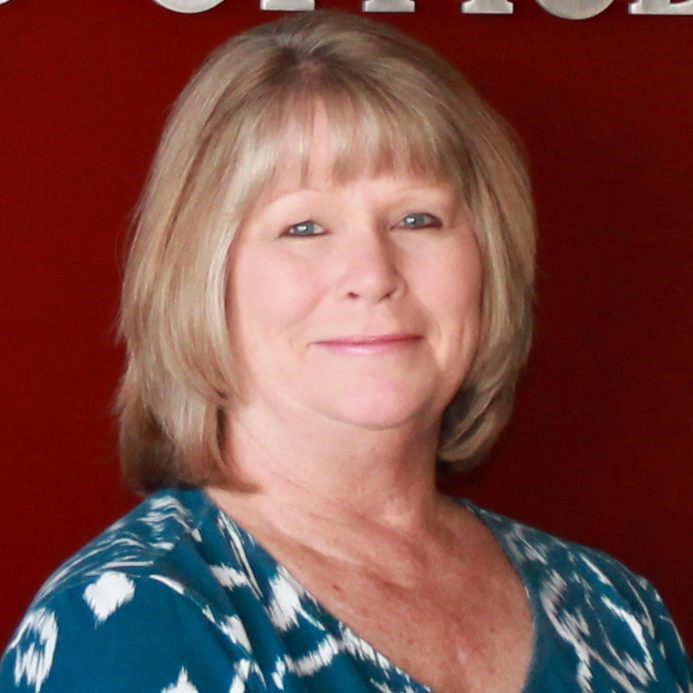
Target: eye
420	220
305	229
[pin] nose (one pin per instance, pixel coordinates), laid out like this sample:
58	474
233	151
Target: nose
370	268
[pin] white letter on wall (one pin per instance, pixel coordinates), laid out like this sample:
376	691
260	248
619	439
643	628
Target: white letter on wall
487	7
389	6
188	6
575	9
660	7
288	5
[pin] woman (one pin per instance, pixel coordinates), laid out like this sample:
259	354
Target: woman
327	294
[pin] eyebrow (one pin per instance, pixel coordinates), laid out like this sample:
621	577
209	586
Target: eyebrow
423	187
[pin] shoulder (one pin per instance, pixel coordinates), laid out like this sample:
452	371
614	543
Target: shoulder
563	570
593	613
537	554
138	608
133	545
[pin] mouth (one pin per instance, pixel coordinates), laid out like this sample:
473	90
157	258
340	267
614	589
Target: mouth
371	344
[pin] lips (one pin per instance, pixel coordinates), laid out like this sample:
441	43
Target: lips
371	344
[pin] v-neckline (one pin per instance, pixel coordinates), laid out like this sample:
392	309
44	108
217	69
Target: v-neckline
250	542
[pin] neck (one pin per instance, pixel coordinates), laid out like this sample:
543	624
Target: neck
332	486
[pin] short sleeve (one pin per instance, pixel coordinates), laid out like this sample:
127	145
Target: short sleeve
669	644
124	634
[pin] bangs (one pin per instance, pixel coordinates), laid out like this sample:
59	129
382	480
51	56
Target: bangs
372	131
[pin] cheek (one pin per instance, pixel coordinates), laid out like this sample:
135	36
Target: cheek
459	290
454	286
268	294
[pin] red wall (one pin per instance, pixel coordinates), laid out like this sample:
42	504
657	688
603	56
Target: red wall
600	448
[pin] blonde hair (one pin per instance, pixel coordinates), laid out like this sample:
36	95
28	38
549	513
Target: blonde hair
392	104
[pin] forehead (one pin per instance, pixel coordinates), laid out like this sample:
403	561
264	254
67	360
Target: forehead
320	151
307	153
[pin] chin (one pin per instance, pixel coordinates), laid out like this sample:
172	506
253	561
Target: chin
378	409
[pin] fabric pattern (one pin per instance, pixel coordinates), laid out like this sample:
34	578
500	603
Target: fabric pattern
175	597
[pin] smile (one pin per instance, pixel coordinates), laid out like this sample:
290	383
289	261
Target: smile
371	344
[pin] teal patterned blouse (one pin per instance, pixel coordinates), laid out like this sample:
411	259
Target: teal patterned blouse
175	597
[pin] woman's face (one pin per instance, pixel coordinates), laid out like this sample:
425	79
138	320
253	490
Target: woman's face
355	303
